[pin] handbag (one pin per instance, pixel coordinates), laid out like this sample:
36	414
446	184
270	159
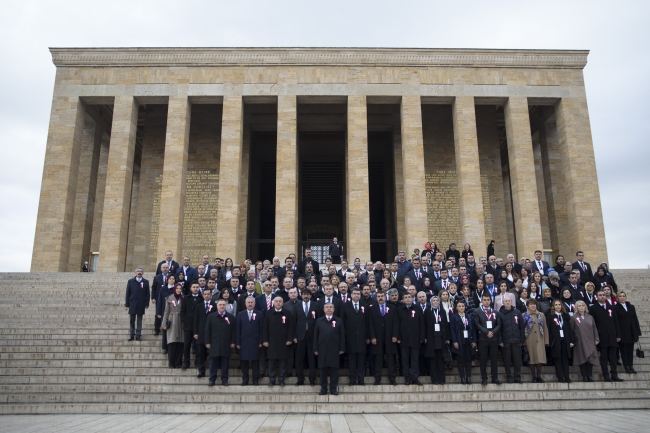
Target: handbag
639	351
446	354
168	325
525	356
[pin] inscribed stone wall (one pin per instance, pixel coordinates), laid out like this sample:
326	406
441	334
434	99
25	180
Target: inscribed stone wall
202	183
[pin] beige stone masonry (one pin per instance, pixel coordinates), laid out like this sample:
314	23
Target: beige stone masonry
119	177
586	228
286	183
99	193
415	198
58	189
230	178
470	194
358	193
172	196
84	204
528	231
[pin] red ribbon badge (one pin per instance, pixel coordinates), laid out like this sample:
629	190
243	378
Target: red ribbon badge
412	313
333	323
516	320
313	314
227	321
283	319
362	309
556	322
610	313
578	319
253	316
141	285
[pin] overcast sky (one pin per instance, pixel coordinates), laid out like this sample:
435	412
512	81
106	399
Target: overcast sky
617	75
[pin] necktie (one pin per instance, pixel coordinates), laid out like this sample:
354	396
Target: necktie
329	301
207	306
306	305
329	318
417	275
584	268
437	275
250	314
356	308
221	314
268	302
383	309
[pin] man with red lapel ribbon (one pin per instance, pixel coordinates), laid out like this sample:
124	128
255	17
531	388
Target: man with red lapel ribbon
220	340
278	333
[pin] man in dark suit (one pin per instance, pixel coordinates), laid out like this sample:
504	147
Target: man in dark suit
577	292
278	333
336	251
136	302
171	264
443	283
355	316
384	332
206	264
202	310
437	336
492	267
292	305
329	298
302	266
609	334
564	276
159	281
188	308
411	335
249	293
488	325
586	273
417	276
220	340
329	344
538	264
249	339
187	270
342	273
306	313
264	303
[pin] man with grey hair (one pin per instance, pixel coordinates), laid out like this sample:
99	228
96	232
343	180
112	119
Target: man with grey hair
137	301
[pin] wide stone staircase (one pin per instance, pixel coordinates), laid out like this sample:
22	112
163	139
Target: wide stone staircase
64	349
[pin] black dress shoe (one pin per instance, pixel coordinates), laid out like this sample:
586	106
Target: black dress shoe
496	381
540	380
131	338
211	383
483	382
591	379
312	382
271	383
510	380
632	370
469	380
255	382
184	367
157	333
617	379
335	392
518	380
323	392
200	375
607	379
352	382
193	352
407	381
138	338
165	352
225	383
282	383
585	379
362	383
300	382
393	382
244	383
377	382
561	379
417	382
567	380
463	381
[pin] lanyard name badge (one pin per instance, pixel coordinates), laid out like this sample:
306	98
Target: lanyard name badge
465	331
560	323
489	322
437	325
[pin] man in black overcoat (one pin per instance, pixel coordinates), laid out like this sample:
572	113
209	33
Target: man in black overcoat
411	335
335	251
137	300
384	332
201	312
172	265
330	298
220	340
188	308
488	326
278	333
437	337
159	281
609	333
329	344
356	316
249	339
306	313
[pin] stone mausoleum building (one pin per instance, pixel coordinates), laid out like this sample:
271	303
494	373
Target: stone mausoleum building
256	152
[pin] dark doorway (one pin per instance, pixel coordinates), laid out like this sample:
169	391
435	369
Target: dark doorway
261	195
381	187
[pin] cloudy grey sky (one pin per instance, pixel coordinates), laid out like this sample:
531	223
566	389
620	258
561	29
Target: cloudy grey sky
617	75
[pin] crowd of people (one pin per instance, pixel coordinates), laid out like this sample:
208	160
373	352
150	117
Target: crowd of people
415	316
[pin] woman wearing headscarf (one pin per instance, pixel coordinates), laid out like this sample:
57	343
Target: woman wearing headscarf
584	329
560	340
630	330
602	278
567	301
536	334
545	302
173	324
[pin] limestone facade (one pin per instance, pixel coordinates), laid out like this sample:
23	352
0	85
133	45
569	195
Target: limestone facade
504	133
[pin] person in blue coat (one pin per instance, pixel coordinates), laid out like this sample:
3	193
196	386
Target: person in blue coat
136	302
463	342
248	339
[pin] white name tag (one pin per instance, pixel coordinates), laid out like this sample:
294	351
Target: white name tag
437	328
570	314
489	324
561	333
465	334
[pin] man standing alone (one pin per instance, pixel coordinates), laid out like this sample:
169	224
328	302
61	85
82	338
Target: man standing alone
137	300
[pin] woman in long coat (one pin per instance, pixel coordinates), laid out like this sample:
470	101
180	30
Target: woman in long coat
175	329
161	305
463	347
630	330
561	340
536	334
586	338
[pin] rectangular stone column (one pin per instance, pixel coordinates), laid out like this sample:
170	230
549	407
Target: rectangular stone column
468	171
230	178
119	177
286	186
585	216
172	196
400	212
415	198
84	205
59	186
358	194
528	231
